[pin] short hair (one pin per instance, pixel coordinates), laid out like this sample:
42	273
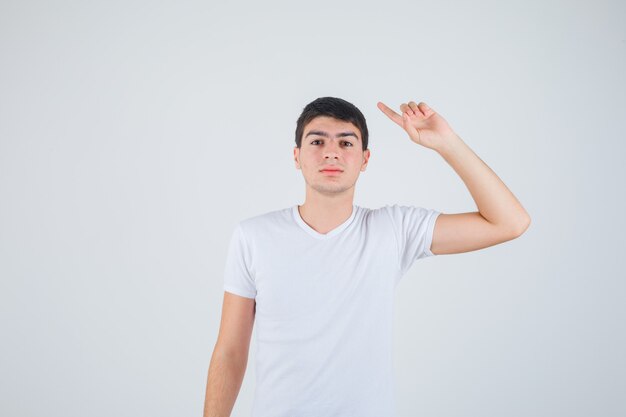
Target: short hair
332	107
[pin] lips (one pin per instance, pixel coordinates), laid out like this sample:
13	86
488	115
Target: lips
331	170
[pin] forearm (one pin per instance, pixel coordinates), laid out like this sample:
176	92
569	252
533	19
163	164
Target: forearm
223	384
495	201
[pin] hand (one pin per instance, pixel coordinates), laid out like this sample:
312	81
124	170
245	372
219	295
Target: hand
422	123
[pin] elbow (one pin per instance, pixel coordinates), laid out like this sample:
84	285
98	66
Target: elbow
522	226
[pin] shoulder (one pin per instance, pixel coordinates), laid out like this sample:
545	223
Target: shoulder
400	213
378	215
266	222
388	210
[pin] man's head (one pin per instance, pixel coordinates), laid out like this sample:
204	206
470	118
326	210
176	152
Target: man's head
331	134
332	107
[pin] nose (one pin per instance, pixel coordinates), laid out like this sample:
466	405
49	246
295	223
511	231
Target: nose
330	151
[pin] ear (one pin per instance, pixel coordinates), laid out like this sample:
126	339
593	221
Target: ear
296	156
366	158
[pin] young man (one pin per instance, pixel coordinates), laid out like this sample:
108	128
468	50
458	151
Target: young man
318	279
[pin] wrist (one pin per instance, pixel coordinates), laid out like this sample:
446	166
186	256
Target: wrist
449	144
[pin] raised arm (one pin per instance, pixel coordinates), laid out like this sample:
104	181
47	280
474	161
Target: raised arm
500	216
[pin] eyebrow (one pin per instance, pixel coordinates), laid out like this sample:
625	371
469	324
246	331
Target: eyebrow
324	134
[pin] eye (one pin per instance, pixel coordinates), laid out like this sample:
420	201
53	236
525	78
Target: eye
345	142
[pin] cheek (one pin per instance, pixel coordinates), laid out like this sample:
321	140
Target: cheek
309	158
306	161
354	159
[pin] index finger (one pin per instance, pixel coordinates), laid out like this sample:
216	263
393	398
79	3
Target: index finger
390	113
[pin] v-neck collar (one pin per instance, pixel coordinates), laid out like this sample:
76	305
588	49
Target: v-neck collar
315	233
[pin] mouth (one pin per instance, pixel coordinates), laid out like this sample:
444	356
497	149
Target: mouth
332	168
331	171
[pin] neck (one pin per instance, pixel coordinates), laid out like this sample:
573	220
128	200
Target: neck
324	213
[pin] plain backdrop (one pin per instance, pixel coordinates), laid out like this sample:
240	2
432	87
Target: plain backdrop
134	135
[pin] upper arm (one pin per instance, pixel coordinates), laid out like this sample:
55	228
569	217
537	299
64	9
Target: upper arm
464	232
236	324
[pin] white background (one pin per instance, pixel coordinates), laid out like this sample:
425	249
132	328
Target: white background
134	135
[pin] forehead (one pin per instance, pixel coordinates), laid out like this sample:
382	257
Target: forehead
331	125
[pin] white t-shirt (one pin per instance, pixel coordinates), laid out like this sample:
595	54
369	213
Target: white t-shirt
324	306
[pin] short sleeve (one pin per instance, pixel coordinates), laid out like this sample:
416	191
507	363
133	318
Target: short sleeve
237	277
413	227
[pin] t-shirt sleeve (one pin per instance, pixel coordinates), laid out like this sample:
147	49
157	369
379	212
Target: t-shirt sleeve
413	227
237	277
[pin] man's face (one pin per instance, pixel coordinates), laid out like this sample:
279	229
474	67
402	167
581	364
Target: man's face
329	143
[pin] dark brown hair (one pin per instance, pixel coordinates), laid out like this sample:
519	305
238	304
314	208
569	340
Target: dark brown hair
332	107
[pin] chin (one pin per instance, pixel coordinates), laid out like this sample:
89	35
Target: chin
330	188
